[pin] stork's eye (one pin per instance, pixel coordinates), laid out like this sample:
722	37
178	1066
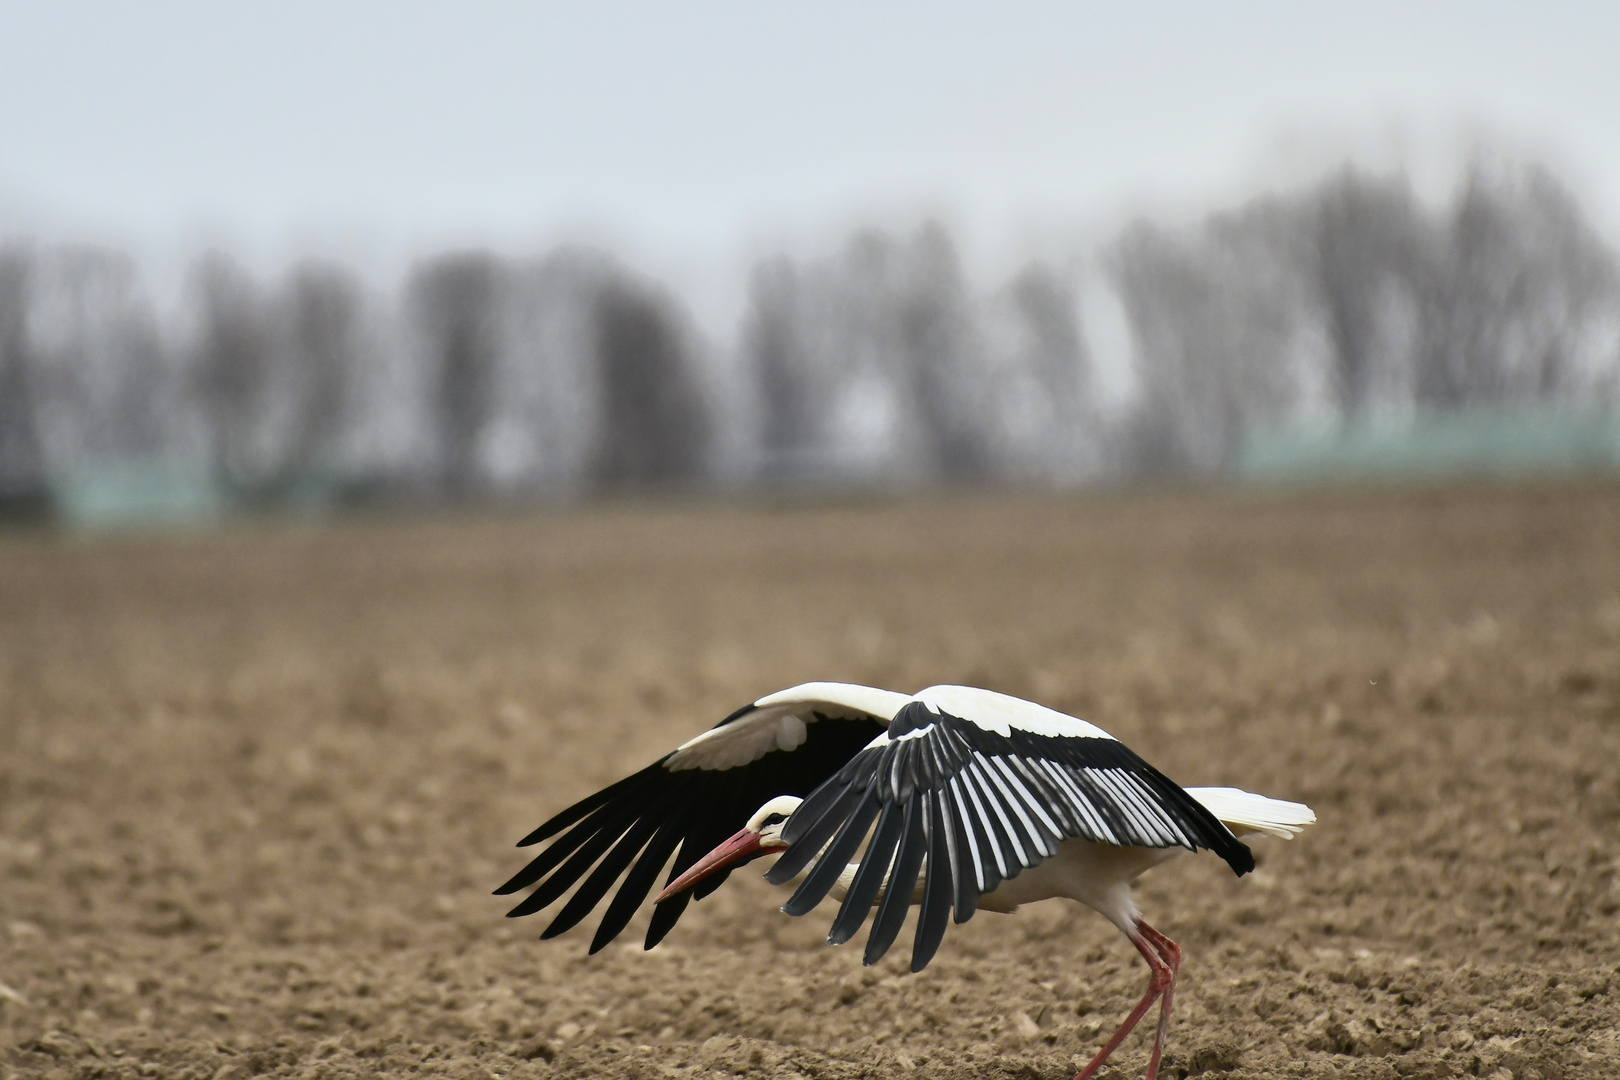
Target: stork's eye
773	819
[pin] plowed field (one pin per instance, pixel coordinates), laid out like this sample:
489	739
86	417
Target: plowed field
256	786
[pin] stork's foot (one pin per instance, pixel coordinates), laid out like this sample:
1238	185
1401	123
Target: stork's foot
1163	958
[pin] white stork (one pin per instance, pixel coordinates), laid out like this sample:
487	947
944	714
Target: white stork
980	800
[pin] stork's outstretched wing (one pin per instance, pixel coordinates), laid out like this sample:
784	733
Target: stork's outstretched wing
978	787
692	799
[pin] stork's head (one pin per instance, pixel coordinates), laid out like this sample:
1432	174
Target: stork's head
761	836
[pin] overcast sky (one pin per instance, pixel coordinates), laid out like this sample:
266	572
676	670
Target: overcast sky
691	135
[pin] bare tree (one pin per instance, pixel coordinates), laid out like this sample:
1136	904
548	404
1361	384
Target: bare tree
937	356
543	427
319	321
454	299
654	423
1056	350
792	390
869	364
232	364
1368	243
22	466
1040	370
102	391
1523	280
1216	319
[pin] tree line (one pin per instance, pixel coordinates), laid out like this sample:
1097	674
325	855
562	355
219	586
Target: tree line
878	365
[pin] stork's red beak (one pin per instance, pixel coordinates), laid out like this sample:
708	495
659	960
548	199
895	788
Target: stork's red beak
740	848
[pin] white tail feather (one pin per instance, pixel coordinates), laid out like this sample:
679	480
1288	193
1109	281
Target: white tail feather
1245	812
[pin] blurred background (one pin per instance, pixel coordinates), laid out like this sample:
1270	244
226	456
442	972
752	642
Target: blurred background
265	256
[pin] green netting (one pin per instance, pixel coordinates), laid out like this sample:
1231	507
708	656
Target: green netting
1481	442
117	497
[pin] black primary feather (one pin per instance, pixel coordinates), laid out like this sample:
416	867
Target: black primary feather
908	860
868	876
820	881
543	863
579	862
638	883
634	826
936	899
965	865
608	870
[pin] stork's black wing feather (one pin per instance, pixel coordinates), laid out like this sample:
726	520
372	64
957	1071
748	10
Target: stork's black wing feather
683	805
968	808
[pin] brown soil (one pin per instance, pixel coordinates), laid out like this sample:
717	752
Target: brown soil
255	787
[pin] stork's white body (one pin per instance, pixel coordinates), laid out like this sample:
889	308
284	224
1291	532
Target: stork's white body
1096	875
1100	876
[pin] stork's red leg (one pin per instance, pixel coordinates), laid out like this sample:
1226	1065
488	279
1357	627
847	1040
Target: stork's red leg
1170	952
1161	981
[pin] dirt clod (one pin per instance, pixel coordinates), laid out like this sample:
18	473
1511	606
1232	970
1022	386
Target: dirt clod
1215	1057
